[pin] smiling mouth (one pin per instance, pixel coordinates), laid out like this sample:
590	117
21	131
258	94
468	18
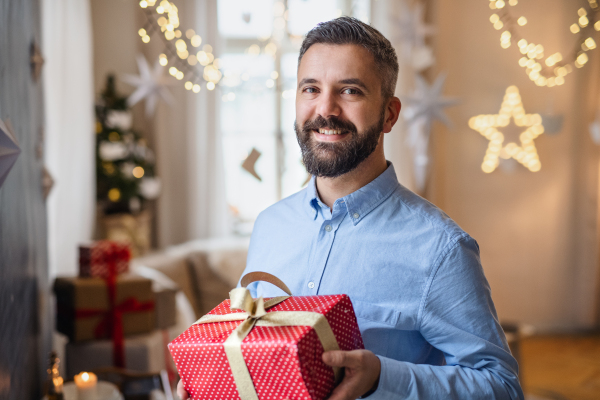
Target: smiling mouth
330	131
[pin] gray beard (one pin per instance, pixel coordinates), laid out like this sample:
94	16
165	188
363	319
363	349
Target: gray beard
330	160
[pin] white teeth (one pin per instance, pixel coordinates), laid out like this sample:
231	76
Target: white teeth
330	131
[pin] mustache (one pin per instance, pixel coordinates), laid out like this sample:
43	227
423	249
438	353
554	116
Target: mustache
328	123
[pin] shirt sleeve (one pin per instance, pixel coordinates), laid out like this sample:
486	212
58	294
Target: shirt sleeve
456	316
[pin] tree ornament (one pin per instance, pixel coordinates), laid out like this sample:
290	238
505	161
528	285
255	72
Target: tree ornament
150	85
486	125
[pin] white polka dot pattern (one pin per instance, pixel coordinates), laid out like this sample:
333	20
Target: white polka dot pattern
284	362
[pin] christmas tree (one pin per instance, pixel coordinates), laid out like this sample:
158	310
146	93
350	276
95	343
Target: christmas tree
125	174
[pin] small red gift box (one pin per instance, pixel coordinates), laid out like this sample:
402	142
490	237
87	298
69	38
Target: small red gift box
104	258
267	349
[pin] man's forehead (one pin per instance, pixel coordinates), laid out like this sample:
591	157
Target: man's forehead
338	62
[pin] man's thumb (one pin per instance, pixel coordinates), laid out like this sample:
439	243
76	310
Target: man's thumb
335	358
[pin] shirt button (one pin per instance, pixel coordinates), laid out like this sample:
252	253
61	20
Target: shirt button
355	215
311	285
328	229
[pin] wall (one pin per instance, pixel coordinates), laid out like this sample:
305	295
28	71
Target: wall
537	231
24	309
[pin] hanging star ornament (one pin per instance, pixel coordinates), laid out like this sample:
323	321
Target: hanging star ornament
9	150
425	105
428	102
486	125
150	85
412	32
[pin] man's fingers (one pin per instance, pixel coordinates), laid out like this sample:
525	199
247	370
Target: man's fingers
339	358
181	392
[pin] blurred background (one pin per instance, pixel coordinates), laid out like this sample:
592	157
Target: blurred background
169	125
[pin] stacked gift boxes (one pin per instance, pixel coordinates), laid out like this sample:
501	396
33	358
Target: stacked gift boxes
111	317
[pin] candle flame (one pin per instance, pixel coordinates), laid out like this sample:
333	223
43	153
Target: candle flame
85	376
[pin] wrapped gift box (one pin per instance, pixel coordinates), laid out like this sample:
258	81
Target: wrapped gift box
165	306
103	257
281	360
143	353
83	306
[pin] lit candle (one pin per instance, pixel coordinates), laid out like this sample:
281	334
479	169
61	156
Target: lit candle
86	386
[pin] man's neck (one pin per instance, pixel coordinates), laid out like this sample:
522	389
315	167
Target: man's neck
331	189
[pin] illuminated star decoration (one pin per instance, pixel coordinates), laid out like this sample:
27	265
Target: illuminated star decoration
487	125
425	105
150	85
412	34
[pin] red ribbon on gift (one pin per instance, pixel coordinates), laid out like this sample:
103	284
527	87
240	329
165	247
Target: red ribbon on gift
113	318
113	323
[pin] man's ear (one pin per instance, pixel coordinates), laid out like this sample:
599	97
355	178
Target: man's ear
392	112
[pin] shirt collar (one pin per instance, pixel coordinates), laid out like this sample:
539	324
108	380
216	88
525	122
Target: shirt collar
362	201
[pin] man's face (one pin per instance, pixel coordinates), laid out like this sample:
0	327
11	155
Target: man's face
339	108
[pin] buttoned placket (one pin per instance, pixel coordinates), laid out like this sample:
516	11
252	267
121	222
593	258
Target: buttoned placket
323	242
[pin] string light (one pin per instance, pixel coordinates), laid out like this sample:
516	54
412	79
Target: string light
114	195
181	46
486	125
555	67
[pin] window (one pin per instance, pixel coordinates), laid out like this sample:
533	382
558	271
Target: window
259	60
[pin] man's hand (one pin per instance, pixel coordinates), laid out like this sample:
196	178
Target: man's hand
181	391
362	369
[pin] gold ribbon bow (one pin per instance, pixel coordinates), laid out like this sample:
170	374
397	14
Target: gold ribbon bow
255	314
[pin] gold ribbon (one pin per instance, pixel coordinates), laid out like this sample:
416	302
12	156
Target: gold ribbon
255	314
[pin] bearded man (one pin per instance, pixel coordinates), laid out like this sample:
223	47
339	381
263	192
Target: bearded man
414	276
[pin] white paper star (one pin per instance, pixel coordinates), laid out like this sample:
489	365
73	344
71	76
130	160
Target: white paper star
150	85
9	150
425	105
428	102
412	31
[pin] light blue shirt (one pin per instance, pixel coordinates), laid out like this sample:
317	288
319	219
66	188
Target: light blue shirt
422	302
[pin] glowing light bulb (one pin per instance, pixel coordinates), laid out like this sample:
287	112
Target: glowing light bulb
210	85
574	28
522	21
138	172
196	88
114	195
188	85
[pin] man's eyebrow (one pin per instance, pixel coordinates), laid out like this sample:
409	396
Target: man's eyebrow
354	81
349	81
307	80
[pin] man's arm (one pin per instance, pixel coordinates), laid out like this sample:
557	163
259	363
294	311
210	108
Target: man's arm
456	316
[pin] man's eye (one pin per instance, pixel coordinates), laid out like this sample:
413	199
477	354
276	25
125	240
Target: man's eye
310	90
351	91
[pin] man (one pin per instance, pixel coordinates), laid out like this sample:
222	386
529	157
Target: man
414	277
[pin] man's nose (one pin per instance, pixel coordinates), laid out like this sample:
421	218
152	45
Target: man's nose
328	105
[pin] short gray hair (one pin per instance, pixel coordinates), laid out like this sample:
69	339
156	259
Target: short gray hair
348	30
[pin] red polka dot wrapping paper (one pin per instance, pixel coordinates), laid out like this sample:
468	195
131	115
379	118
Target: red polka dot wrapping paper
284	362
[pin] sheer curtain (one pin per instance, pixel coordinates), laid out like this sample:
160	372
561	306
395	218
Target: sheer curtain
69	129
189	149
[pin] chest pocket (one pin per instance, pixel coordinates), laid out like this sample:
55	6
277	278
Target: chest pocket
383	316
